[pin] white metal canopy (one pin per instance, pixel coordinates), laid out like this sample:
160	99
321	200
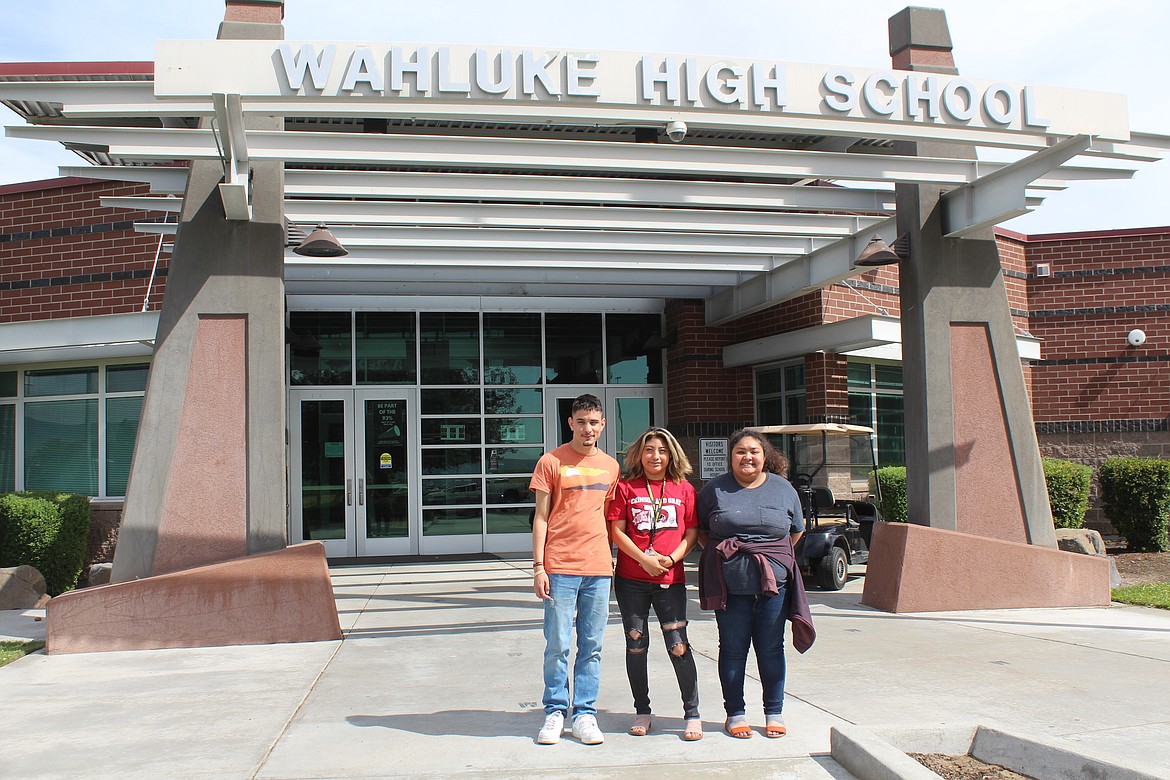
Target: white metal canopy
561	198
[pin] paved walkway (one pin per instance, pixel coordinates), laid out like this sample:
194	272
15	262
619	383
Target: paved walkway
439	675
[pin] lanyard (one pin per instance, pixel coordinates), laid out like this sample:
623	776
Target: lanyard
656	507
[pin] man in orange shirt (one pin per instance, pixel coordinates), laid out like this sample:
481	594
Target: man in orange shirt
573	565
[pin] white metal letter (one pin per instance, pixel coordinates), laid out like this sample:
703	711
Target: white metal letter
736	89
668	76
483	72
363	67
580	74
445	82
917	94
1030	117
420	66
1004	113
874	98
962	108
692	76
840	95
316	64
761	82
531	71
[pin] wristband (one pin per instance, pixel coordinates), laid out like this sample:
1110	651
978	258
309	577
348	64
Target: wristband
672	561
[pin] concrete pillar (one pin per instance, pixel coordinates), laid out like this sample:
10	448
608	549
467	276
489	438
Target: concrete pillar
208	479
973	463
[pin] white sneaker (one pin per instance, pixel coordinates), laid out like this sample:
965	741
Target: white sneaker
550	732
585	729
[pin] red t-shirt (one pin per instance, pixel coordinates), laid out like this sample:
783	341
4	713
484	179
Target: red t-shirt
634	503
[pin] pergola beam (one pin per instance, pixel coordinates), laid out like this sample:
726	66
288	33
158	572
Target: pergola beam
236	191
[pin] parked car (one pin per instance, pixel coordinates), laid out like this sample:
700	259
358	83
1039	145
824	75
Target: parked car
830	467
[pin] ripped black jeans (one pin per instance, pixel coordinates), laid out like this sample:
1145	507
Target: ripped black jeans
634	598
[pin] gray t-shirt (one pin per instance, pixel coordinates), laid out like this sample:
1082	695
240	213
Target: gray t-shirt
764	513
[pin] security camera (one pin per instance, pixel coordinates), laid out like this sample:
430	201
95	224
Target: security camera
1136	337
676	130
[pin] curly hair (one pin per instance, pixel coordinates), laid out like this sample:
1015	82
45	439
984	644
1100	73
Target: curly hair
774	460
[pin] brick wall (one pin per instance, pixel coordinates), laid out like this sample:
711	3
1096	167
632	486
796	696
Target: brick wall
62	254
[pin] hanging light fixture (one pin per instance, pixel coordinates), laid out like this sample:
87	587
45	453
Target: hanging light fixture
321	243
877	252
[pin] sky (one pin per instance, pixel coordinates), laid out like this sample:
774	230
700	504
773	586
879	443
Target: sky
1115	47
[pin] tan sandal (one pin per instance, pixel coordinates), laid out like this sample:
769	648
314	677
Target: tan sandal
693	730
641	726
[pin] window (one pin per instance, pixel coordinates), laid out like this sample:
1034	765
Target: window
320	346
385	348
633	352
70	429
780	395
875	400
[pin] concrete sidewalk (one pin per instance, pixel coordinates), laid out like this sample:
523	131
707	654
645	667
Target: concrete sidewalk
439	675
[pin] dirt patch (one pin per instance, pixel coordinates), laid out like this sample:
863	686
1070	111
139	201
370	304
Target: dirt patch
964	768
1142	568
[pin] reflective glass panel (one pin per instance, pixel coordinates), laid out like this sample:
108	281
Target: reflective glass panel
513	401
794	377
387	469
514	430
629	349
7	448
509	490
319	348
451	430
458	401
60	381
454	460
631	417
452	522
122	415
770	411
451	492
511	349
7	384
888	377
861	409
859	375
769	381
449	348
573	346
126	379
323	469
509	520
385	348
796	409
513	460
60	446
891	431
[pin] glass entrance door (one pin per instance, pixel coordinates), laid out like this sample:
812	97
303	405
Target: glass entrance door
352	471
628	412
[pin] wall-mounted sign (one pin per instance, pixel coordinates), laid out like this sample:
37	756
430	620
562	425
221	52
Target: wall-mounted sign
532	82
712	458
334	449
385	461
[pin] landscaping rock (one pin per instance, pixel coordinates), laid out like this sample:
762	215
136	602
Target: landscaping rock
22	587
1080	540
99	574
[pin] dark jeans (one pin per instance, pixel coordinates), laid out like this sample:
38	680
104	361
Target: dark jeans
752	620
634	598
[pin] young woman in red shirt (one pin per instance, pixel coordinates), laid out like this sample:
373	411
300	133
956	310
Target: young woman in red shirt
654	526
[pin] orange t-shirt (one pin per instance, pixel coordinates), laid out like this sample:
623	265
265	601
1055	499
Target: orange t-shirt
578	487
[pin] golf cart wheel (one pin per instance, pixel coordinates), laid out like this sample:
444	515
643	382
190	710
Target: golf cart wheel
833	570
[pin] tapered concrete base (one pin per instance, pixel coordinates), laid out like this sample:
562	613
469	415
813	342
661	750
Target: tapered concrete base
915	568
282	596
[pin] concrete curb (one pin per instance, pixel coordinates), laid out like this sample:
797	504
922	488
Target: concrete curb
870	756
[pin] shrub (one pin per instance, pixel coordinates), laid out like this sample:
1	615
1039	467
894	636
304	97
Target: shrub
892	480
1068	491
48	532
1136	495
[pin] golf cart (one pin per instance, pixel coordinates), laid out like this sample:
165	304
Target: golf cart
830	467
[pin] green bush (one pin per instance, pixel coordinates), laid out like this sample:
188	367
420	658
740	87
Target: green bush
1068	491
48	532
1136	495
892	480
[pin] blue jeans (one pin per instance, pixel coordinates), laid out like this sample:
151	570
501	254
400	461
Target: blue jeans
752	620
582	602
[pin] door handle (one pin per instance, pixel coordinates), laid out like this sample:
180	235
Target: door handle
361	492
349	492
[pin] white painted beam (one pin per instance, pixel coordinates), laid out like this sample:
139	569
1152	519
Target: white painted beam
163	180
232	148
